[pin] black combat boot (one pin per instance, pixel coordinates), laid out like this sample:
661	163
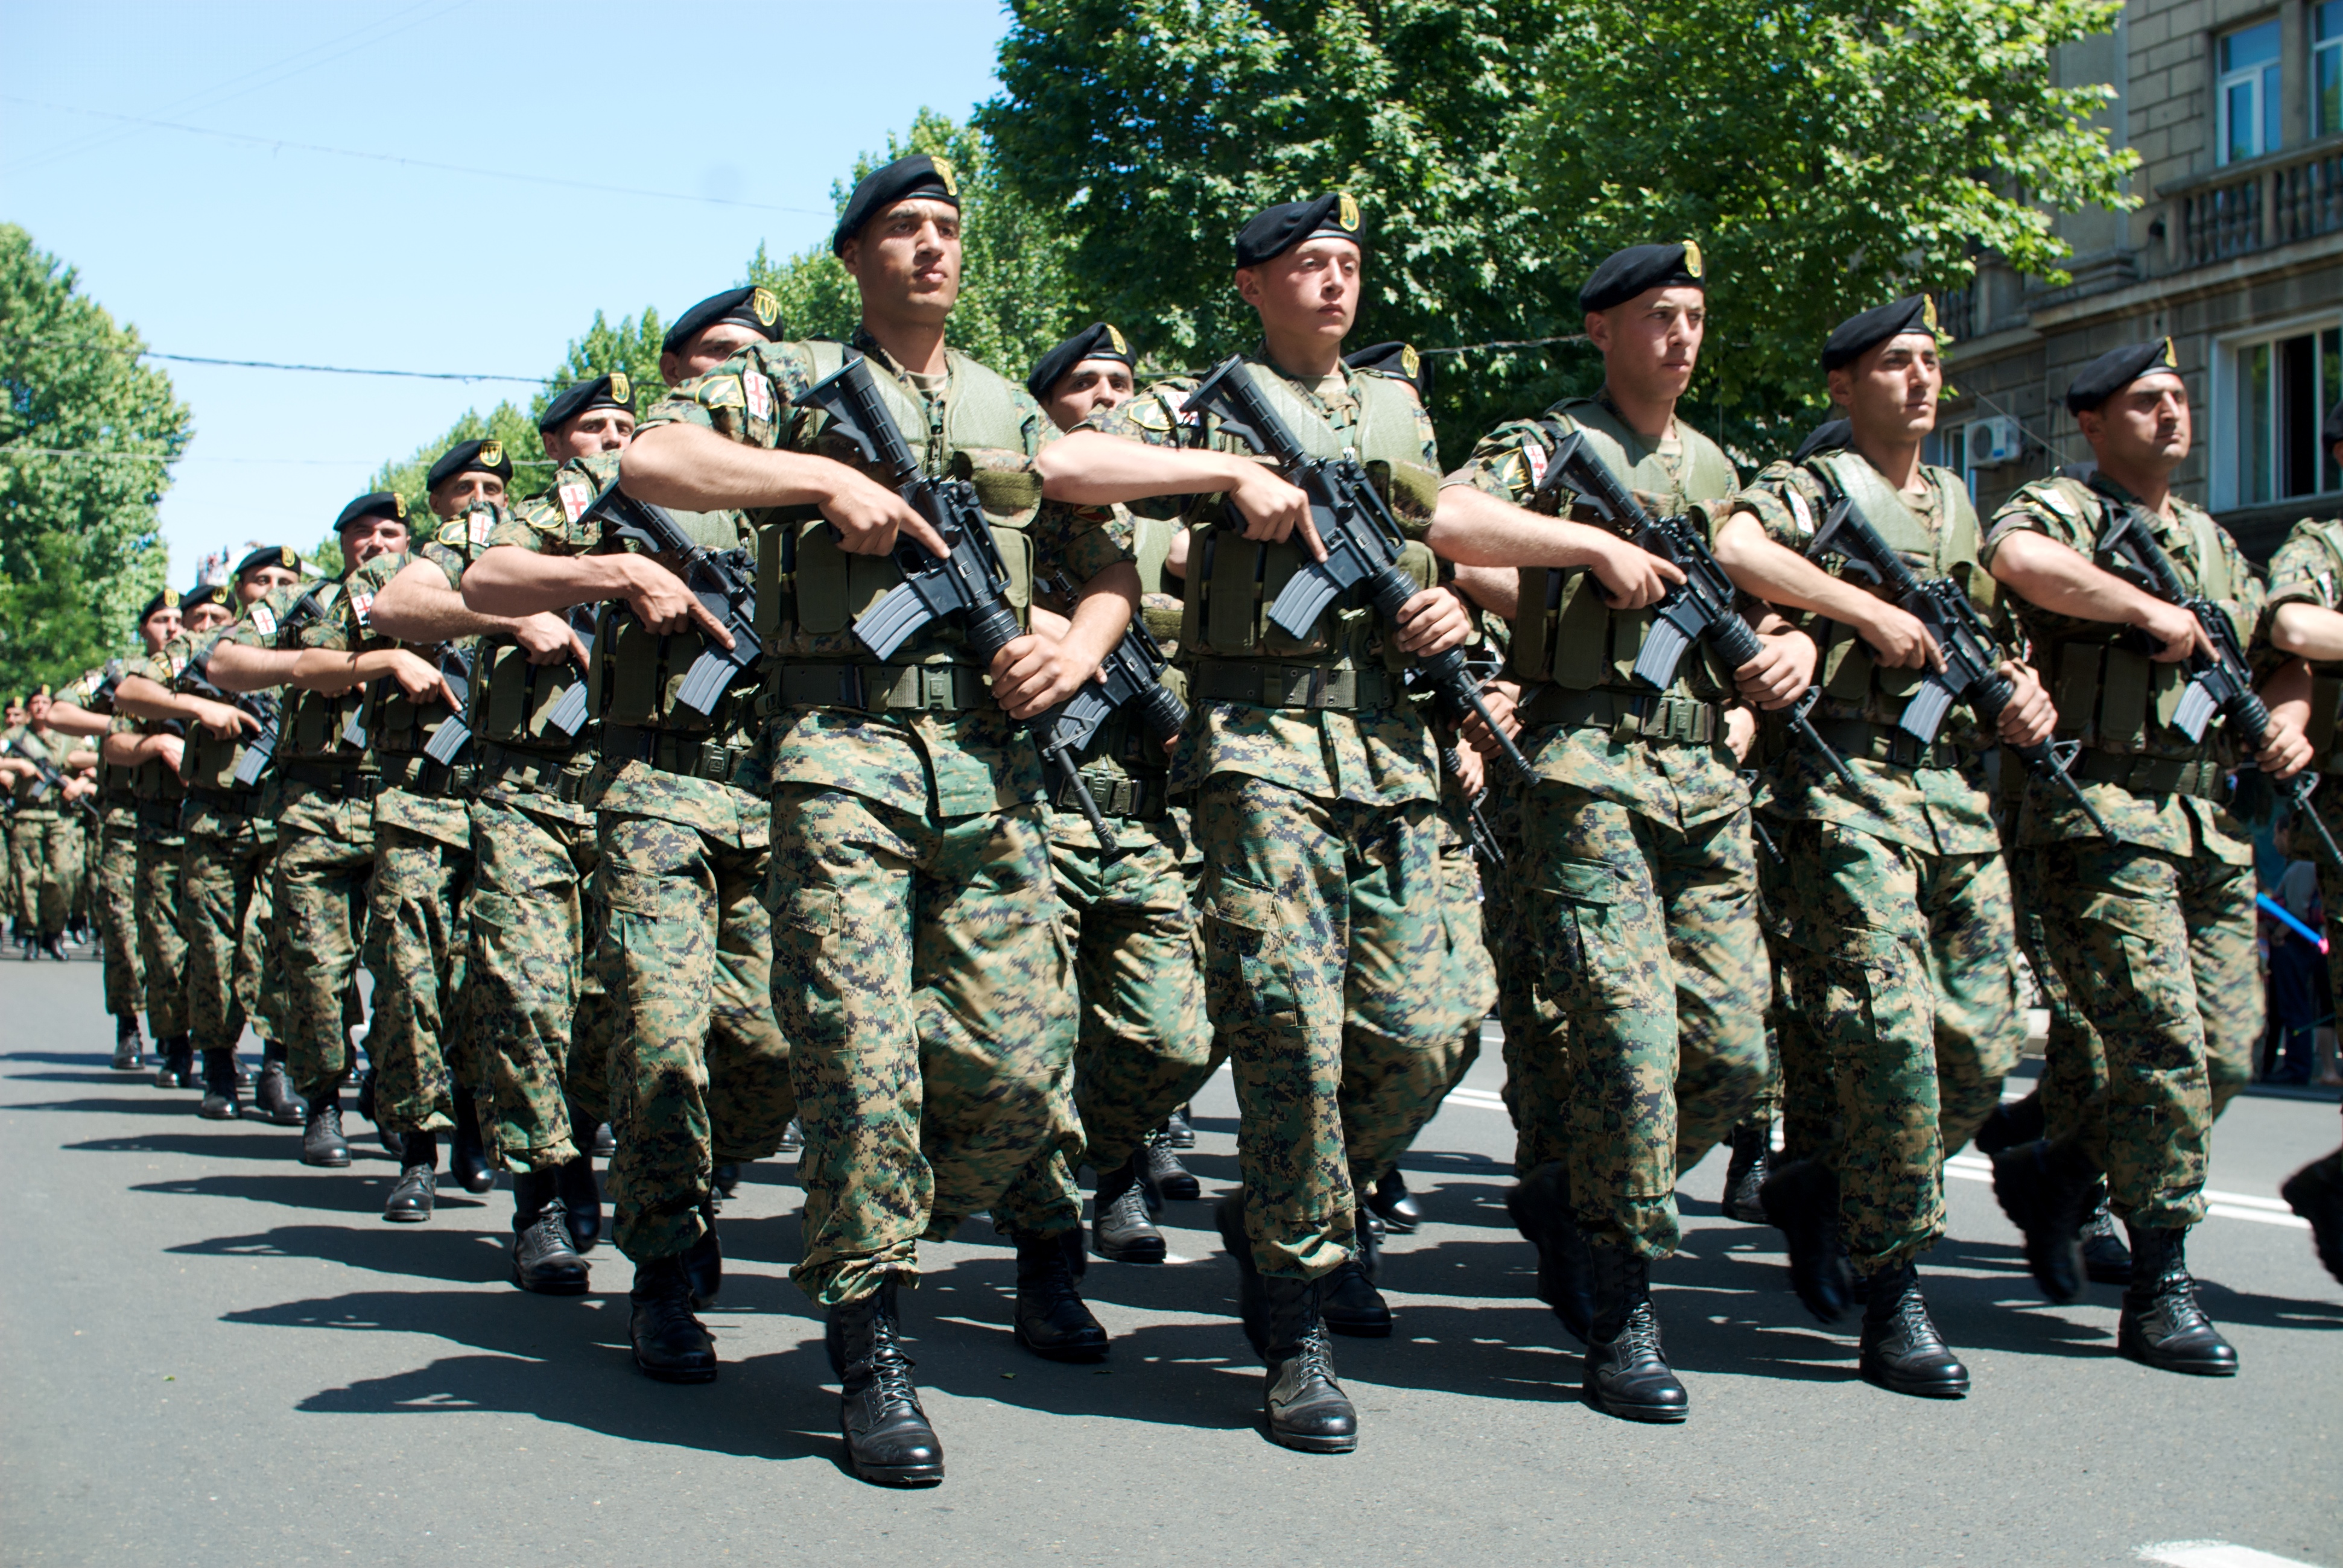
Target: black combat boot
273	1097
581	1203
1901	1351
888	1438
1120	1230
129	1045
54	946
322	1143
1347	1298
1752	1144
411	1195
1565	1274
2106	1259
468	1159
2009	1124
2046	1189
725	1180
1801	1198
219	1087
177	1055
2161	1325
543	1261
1302	1405
2315	1192
366	1106
669	1344
1162	1177
1391	1200
1051	1320
1179	1129
1252	1304
703	1260
1626	1371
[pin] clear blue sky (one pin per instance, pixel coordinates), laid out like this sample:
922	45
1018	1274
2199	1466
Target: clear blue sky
246	249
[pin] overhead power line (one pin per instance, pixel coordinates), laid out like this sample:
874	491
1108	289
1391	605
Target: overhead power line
341	370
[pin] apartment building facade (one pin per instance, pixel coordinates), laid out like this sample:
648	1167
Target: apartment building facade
2235	251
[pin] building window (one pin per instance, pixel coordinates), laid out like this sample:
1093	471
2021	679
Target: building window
2284	387
2248	92
2326	67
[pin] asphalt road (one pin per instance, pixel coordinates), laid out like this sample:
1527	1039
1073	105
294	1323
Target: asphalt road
213	1355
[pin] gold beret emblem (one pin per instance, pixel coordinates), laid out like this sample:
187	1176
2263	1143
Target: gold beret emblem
1409	360
170	598
293	562
492	453
1347	214
1115	337
620	389
1928	311
946	173
767	308
398	505
2171	360
1691	257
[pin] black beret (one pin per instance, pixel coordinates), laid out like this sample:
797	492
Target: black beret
752	307
917	176
1829	436
204	594
267	556
1398	360
469	457
165	598
2332	430
1279	229
1624	274
1100	341
381	503
2118	368
1858	334
615	390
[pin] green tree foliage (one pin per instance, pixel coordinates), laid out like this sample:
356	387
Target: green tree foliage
86	438
506	423
1824	157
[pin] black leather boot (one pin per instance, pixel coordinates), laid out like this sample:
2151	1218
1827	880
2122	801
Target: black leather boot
888	1438
1051	1320
1801	1198
669	1345
178	1062
2009	1124
1565	1274
2046	1189
2315	1192
273	1097
581	1203
467	1160
219	1087
1391	1200
1627	1373
411	1195
1901	1351
1347	1298
1752	1161
1179	1129
390	1142
1162	1177
2106	1259
725	1180
1120	1230
322	1143
703	1260
2161	1325
129	1045
1302	1405
1252	1302
543	1261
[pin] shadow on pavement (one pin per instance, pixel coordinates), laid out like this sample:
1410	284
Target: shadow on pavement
428	1252
350	1191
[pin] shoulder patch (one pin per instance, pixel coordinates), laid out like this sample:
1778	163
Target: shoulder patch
576	497
1150	414
451	532
1799	511
758	393
720	392
264	619
480	525
360	603
1532	454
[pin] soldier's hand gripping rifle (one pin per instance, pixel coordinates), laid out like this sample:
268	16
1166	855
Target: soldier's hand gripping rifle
568	710
968	582
1130	676
1482	836
263	706
2221	682
1698	610
448	740
46	775
1972	674
723	581
1363	539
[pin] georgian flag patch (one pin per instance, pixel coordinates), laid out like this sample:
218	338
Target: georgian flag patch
1799	512
360	603
1534	459
264	620
760	393
575	498
484	523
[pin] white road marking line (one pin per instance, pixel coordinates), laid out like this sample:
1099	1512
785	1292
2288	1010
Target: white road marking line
2210	1554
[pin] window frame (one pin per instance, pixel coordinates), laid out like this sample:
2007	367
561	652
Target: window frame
2222	424
2268	118
2327	53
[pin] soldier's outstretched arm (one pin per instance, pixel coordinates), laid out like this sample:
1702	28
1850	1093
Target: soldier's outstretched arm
507	580
235	668
694	468
1092	469
2307	630
1779	575
2043	572
142	698
67	718
1473	528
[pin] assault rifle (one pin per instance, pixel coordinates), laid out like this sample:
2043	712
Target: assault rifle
263	705
448	740
723	581
1972	674
1698	610
1363	539
1756	822
968	581
47	774
1132	674
2221	683
568	710
1483	839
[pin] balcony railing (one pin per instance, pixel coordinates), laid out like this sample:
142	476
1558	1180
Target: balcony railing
2270	201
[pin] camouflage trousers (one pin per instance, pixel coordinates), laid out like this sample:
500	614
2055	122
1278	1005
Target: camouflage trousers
1471	977
700	1074
118	912
162	931
2162	947
1654	953
45	862
923	981
325	866
1325	956
419	1042
225	894
1536	1042
1899	976
539	1014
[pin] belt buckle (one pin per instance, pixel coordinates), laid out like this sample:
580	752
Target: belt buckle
936	687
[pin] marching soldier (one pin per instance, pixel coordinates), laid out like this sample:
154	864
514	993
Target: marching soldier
42	837
117	842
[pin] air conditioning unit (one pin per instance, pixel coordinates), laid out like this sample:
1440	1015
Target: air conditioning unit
1991	442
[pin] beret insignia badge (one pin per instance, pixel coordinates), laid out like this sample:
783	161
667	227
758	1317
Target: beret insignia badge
2170	361
620	388
1693	263
767	307
1115	337
1347	214
492	453
946	173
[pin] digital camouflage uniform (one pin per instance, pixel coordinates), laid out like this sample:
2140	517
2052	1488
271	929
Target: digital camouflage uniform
44	845
1322	901
116	912
2308	570
538	1008
697	1069
1634	894
158	795
2155	930
320	792
919	971
1891	903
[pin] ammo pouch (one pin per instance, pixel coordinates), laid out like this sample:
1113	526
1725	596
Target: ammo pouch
1673	717
2113	697
511	698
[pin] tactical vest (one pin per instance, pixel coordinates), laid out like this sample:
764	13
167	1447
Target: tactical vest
310	726
634	673
1564	630
1233	580
208	761
1855	685
2327	679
